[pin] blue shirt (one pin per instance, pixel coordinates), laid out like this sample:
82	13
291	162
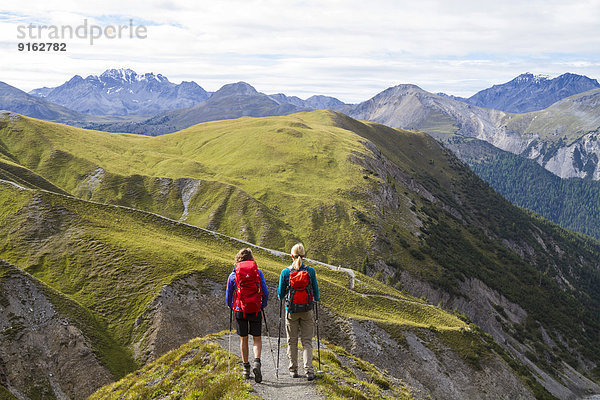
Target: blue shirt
284	283
231	290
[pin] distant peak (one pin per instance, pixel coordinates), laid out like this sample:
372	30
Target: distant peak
572	76
237	88
128	75
118	73
75	78
542	78
188	83
404	88
529	77
149	76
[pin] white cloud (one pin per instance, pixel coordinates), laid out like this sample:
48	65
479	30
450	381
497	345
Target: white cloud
351	49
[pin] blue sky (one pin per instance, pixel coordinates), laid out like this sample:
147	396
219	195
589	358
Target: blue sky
348	49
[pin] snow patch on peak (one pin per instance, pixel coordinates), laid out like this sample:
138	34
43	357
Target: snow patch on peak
537	78
121	74
529	77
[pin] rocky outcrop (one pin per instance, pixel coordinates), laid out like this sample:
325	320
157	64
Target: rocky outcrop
579	159
47	354
189	307
494	313
434	370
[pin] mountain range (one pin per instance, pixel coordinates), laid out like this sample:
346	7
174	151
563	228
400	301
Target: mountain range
123	92
528	92
126	240
561	138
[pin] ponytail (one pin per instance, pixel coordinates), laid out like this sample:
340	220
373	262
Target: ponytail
298	252
297	262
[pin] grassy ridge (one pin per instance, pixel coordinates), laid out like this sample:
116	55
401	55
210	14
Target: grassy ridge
304	156
196	370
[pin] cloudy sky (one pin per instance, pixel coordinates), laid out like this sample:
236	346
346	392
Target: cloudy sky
344	48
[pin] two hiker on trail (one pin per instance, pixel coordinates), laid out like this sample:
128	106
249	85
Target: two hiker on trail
298	286
247	296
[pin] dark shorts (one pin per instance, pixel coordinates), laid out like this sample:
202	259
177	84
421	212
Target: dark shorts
251	324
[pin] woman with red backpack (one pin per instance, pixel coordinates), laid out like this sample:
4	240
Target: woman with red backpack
298	285
247	295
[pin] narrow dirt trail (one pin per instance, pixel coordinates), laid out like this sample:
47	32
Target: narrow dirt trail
270	388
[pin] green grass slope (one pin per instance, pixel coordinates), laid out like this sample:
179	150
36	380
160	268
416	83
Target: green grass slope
196	370
9	171
346	376
92	259
293	169
5	394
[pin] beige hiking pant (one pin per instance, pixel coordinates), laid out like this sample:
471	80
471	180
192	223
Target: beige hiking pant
301	323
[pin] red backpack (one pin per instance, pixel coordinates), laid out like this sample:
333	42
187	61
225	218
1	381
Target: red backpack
248	295
300	295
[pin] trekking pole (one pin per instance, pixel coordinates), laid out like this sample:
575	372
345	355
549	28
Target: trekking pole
229	359
270	345
318	338
279	336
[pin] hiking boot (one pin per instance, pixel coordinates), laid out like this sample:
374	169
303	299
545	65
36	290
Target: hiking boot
256	371
294	374
246	371
310	376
